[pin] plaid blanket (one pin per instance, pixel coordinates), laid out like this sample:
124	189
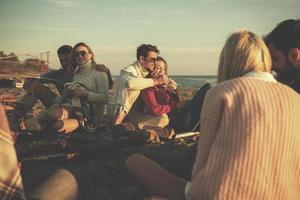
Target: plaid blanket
10	179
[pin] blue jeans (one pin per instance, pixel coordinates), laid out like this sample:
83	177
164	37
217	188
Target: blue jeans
187	119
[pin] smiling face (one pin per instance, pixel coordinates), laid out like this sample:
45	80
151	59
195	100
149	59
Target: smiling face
82	55
149	62
159	70
64	60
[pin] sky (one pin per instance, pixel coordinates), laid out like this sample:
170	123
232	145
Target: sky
189	33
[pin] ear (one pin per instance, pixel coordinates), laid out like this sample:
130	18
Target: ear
141	58
294	57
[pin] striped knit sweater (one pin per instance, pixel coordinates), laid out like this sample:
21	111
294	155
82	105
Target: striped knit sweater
97	84
11	186
250	143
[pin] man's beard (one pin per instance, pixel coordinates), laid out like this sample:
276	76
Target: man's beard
289	74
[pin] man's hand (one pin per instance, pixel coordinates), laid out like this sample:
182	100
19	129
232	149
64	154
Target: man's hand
161	80
100	68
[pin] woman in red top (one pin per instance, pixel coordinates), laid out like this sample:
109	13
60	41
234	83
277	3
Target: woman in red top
160	99
163	101
151	111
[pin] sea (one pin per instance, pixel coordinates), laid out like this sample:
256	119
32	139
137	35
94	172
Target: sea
191	81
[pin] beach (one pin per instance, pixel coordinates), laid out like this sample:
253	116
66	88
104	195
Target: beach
102	174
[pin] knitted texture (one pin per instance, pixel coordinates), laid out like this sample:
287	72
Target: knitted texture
250	143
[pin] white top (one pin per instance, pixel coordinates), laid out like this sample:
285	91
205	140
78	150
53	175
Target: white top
129	84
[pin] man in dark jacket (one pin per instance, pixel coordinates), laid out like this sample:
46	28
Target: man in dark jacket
284	45
36	90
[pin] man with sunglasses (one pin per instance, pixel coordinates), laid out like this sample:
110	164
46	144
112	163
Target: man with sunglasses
133	79
37	91
284	45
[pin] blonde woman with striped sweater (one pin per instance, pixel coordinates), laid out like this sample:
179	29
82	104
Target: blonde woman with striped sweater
249	146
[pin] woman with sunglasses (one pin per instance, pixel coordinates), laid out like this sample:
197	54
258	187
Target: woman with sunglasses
84	98
249	142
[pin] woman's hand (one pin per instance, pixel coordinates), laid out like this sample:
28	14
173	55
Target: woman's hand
75	90
79	92
172	85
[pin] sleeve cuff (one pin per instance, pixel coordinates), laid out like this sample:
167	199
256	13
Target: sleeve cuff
187	191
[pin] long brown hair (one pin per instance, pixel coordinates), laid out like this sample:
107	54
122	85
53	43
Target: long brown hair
159	58
73	62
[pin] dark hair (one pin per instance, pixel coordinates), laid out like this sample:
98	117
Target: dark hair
144	49
64	49
286	35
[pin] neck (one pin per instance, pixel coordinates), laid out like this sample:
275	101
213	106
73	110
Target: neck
86	65
267	76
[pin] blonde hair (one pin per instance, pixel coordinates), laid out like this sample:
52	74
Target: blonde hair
159	58
243	52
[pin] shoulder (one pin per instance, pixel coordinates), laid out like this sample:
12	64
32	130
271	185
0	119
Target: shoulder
100	74
246	86
238	84
148	90
230	89
100	68
132	68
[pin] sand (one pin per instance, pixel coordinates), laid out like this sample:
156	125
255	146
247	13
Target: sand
102	174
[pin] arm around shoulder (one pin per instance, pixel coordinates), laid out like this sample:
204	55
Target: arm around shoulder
135	83
103	68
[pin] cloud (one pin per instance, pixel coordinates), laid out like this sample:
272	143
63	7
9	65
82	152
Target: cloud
64	3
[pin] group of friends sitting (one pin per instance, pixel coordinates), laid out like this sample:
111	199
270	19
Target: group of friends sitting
249	121
146	98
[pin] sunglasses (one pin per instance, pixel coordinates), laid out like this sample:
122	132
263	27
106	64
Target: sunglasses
80	53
